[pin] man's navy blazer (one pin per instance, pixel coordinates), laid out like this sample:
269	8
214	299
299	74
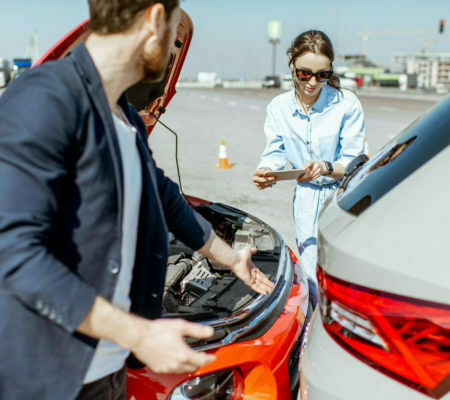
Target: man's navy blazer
61	202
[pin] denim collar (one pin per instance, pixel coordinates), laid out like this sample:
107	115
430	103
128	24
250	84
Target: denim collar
328	96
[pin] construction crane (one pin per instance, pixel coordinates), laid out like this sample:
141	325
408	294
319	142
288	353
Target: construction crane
32	50
365	37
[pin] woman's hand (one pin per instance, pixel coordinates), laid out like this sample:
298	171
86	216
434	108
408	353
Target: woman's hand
261	181
314	170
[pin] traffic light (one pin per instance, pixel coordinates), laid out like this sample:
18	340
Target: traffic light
441	26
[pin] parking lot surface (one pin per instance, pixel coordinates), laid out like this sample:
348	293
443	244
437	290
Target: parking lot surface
204	117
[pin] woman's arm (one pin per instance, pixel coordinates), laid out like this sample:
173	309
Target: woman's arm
273	157
352	135
316	169
351	144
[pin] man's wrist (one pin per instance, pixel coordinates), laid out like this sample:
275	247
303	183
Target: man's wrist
129	336
234	257
109	322
220	251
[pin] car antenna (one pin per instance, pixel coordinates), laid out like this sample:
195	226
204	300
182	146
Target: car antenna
162	110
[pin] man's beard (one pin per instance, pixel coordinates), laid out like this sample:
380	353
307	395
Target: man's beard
155	64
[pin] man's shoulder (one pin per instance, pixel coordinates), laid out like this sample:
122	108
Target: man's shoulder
54	82
53	76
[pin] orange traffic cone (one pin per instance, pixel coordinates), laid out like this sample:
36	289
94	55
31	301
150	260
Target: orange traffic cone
366	147
223	159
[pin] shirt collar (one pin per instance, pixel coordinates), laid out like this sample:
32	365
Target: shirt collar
327	96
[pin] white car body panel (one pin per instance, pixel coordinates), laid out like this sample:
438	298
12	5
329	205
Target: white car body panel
392	257
393	239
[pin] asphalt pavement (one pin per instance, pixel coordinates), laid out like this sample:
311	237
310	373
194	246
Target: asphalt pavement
204	117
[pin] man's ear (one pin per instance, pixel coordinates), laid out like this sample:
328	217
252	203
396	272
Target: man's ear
155	18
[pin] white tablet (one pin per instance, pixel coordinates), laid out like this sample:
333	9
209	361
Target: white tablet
287	174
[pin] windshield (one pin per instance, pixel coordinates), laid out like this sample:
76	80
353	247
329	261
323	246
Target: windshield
398	159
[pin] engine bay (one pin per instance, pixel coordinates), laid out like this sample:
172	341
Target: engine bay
197	288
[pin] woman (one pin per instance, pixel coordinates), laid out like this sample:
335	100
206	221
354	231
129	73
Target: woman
317	127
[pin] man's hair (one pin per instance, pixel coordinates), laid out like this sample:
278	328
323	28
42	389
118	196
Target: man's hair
114	16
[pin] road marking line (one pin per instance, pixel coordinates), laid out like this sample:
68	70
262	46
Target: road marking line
202	97
215	99
254	108
390	109
232	103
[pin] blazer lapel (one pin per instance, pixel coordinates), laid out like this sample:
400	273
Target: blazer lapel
147	163
92	80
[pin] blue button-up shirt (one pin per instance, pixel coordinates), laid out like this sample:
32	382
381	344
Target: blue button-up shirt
333	130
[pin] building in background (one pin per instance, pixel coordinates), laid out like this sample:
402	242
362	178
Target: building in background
20	65
432	69
358	68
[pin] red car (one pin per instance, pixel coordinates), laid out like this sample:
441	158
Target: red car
257	338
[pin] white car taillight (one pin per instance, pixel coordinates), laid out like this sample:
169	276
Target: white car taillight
405	338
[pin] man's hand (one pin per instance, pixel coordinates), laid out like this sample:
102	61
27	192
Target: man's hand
261	181
159	344
314	170
245	270
237	261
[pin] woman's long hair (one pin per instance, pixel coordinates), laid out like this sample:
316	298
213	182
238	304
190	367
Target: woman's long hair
315	42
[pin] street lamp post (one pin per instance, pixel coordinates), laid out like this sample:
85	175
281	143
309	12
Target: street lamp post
274	42
274	39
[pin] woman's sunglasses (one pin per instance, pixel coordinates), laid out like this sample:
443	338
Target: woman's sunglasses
321	76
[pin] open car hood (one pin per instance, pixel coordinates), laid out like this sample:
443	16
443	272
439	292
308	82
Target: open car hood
150	99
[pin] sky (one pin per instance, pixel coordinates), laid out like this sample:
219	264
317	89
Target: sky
231	36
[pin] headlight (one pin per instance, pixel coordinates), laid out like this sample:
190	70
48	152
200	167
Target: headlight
222	385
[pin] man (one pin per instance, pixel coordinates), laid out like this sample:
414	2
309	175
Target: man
84	214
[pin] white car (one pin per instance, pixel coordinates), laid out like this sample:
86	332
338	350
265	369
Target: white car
383	327
347	83
287	82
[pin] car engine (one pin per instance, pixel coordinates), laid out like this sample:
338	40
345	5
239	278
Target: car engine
197	288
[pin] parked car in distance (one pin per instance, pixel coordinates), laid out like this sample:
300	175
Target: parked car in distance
287	82
5	72
271	81
383	328
256	338
347	83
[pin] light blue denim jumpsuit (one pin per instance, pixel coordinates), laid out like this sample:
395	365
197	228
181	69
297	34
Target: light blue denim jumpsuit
333	130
